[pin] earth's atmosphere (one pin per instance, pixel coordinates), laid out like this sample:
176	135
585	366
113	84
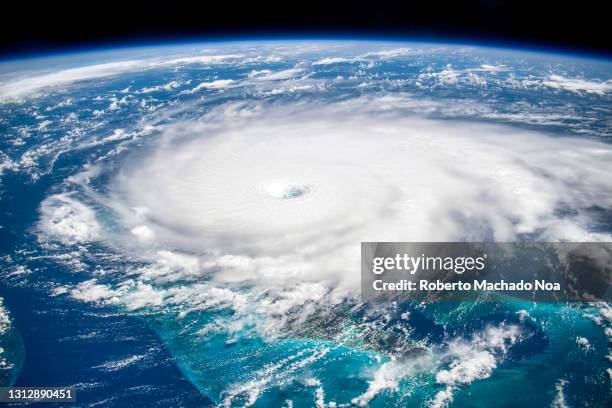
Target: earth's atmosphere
181	225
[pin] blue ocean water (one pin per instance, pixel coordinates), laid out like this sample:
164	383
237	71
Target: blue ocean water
65	343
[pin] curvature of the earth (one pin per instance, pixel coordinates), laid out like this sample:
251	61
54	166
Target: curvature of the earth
180	225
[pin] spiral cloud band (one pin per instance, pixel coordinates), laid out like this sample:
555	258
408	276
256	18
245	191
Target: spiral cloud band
290	200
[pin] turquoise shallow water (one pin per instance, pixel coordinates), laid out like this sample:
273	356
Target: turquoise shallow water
272	372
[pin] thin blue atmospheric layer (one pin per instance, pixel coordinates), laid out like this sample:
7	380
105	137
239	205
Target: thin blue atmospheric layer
104	298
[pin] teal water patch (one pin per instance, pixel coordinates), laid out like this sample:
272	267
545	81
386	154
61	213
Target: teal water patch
252	372
547	360
570	368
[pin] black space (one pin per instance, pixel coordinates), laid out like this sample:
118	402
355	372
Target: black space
582	26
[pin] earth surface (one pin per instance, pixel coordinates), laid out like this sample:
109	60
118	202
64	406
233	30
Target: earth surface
180	225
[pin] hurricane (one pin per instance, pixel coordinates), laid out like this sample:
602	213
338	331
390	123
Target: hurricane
203	206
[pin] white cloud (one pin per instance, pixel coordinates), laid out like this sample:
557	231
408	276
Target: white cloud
68	220
268	75
5	327
247	393
39	82
461	362
337	60
367	57
442	399
255	73
204	59
448	76
560	401
478	365
143	232
386	378
216	84
490	68
390	53
583	343
227	204
91	291
473	360
218	192
578	85
5	320
116	365
165	87
36	83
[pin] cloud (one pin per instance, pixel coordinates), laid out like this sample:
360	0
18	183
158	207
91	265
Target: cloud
337	60
247	393
283	204
461	362
204	59
91	291
583	343
5	320
578	85
442	399
280	205
216	84
386	378
473	360
390	53
36	83
400	177
367	57
5	327
490	68
116	365
267	75
560	401
68	220
165	87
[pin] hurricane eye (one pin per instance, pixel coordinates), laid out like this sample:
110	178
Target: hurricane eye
285	190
